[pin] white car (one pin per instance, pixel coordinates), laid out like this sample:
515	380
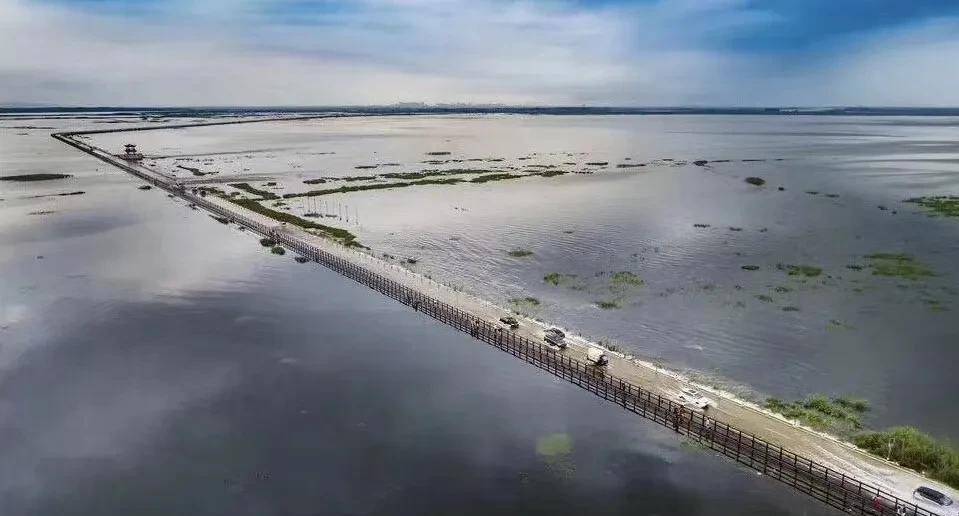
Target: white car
596	357
690	396
934	501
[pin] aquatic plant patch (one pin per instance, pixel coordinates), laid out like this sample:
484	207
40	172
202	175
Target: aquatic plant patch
345	237
248	188
808	271
944	205
34	177
898	265
624	279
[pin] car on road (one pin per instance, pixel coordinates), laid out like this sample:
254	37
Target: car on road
509	322
692	397
595	356
555	337
934	501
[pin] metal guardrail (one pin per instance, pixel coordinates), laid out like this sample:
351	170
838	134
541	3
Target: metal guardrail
825	484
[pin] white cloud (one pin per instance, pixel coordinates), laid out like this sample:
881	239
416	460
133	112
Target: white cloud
384	51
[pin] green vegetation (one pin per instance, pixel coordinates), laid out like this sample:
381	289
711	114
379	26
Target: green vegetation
34	177
750	267
349	179
364	167
520	253
764	298
267	242
554	444
897	266
438	153
914	450
375	186
597	163
248	188
841	416
808	271
278	250
626	279
757	181
553	278
524	303
945	205
343	236
608	305
494	177
316	181
550	173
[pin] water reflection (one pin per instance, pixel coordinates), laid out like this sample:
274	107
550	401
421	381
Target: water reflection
161	363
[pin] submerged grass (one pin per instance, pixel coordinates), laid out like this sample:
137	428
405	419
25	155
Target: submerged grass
248	188
520	253
944	205
375	186
898	265
556	279
626	279
808	271
608	305
343	236
34	177
494	177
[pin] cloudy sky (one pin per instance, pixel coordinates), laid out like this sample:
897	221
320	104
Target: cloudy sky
569	52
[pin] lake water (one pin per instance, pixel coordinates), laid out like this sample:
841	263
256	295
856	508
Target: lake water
758	333
154	361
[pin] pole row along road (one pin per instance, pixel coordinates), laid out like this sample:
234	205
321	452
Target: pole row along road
630	389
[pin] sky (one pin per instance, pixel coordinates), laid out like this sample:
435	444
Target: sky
529	52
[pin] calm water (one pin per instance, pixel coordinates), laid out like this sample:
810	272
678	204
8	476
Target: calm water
154	361
846	332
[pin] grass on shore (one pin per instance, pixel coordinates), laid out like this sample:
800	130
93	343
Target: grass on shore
523	305
248	188
840	416
898	266
915	450
343	236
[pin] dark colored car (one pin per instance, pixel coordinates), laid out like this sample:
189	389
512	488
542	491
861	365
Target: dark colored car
511	322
